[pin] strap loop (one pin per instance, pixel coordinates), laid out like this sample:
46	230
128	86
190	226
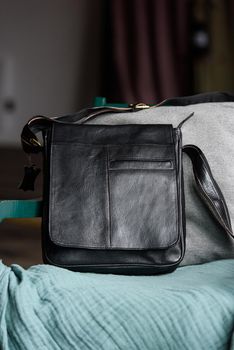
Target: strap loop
208	188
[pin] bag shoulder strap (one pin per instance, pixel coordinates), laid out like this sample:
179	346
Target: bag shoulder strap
30	142
207	97
207	186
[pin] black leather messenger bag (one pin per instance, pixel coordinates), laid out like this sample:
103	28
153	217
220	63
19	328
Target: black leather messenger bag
114	195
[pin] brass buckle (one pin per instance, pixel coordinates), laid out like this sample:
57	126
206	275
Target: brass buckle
34	142
141	105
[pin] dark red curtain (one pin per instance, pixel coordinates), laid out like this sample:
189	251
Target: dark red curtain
146	50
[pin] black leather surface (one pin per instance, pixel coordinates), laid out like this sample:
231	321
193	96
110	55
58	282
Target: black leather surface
113	199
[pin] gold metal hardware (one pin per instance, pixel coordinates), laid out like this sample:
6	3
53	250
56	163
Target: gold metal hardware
34	142
139	106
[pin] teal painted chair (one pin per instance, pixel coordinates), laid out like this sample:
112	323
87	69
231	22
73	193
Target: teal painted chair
33	208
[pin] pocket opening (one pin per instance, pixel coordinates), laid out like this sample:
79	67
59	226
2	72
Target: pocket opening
141	164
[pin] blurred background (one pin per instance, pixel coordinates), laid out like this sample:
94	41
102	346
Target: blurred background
57	55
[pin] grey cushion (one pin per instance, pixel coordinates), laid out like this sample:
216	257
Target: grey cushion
212	129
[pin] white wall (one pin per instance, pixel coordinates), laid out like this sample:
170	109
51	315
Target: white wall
49	59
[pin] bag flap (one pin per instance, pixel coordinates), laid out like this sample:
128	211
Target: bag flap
114	187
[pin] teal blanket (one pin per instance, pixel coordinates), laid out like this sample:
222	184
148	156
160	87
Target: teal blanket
45	308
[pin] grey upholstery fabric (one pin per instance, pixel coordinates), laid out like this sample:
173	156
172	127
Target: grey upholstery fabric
212	129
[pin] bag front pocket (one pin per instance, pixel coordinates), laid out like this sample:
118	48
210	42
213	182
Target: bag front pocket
79	196
143	197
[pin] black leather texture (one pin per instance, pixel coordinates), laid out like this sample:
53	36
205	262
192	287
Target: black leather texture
115	200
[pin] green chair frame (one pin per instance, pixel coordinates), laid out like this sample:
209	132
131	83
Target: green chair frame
32	208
